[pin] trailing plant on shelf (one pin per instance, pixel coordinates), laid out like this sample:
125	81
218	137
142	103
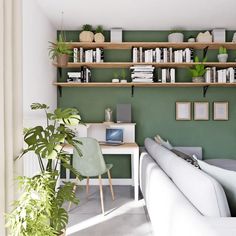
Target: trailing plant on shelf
39	211
223	55
198	70
86	35
60	50
99	36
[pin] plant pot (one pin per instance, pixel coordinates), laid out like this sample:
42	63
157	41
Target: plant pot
99	38
222	57
86	36
176	37
198	79
123	81
62	59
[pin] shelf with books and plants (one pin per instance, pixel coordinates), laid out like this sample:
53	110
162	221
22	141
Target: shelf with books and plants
145	58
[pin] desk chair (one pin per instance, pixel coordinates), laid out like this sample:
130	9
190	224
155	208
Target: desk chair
92	164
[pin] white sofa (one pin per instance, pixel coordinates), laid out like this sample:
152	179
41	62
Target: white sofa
182	200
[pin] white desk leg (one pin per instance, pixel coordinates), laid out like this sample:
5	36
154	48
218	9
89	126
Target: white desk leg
135	158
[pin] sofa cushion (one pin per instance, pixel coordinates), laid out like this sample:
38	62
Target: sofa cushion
203	191
227	178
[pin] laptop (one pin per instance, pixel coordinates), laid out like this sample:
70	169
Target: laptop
114	137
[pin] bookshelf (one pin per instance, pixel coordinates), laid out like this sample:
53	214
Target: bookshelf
126	64
129	45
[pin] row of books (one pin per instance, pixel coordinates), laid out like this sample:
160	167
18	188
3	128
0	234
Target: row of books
164	55
227	75
88	55
142	73
167	75
83	76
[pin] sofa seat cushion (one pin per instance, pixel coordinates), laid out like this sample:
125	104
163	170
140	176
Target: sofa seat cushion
227	178
203	191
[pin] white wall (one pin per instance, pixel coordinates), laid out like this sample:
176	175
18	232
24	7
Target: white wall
38	72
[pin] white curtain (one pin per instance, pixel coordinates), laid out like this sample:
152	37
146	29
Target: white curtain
10	102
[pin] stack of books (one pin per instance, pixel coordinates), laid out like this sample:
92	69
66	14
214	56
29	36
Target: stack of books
220	76
162	55
88	55
142	73
83	76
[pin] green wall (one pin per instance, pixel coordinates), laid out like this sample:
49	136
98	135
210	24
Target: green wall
153	109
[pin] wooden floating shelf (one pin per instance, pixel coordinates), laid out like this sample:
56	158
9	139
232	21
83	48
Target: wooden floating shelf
129	45
129	64
109	84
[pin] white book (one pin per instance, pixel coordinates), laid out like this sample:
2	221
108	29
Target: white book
180	56
214	75
176	59
135	55
81	55
172	75
98	55
187	53
208	75
170	55
75	56
163	75
224	76
140	54
231	74
158	55
165	55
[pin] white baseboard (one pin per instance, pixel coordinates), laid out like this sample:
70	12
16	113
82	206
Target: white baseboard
104	181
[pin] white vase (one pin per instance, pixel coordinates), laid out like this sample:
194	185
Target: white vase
223	57
176	37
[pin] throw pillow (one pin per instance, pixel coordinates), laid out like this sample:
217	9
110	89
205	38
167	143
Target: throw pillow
227	178
162	142
186	157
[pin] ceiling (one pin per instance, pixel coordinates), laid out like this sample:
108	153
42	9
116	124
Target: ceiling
142	14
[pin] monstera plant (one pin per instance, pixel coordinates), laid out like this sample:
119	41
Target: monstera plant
40	209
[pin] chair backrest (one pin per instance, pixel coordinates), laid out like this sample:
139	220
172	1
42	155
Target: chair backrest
91	163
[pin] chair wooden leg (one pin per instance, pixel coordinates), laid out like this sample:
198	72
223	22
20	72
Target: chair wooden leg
74	189
101	193
110	183
87	187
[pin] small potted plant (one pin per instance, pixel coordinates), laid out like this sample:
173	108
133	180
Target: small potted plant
176	37
223	55
198	71
60	50
99	37
115	78
123	76
86	35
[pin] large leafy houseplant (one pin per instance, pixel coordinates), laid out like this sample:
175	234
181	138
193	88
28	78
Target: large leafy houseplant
60	50
39	211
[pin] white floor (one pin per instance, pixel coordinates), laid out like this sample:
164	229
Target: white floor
124	216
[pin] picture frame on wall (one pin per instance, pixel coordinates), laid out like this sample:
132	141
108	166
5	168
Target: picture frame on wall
183	111
201	111
220	110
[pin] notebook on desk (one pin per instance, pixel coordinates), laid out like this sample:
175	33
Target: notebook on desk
114	136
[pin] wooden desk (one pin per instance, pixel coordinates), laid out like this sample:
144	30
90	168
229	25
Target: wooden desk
127	148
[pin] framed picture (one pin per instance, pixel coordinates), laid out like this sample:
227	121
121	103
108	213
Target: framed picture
201	110
220	110
183	111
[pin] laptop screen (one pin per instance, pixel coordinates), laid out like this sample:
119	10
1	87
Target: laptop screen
114	135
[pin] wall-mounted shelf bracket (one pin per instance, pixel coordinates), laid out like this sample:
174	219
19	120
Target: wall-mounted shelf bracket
205	88
59	71
59	90
132	90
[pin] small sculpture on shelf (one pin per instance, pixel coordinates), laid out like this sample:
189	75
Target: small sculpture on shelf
99	37
204	37
108	115
223	55
176	37
86	35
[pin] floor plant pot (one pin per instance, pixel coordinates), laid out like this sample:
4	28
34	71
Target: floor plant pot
222	57
176	37
198	79
62	59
